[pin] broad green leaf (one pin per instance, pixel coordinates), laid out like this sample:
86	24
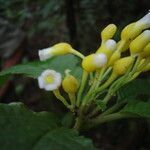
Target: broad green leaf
139	108
138	87
63	139
34	69
67	120
22	129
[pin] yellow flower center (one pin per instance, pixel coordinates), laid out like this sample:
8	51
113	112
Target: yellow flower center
49	79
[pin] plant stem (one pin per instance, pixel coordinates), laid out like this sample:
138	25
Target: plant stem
79	119
83	82
121	45
97	80
108	82
113	108
72	98
62	99
94	112
107	97
75	52
77	124
107	118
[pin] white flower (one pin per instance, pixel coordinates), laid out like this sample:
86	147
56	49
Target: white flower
45	53
49	80
100	60
145	21
111	45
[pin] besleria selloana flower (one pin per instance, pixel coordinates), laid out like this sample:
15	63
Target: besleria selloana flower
49	80
144	22
132	30
104	72
138	44
56	50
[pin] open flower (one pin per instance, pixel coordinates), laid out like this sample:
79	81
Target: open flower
49	80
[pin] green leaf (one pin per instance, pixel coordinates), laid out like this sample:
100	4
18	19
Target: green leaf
64	139
23	129
59	64
135	90
67	120
138	108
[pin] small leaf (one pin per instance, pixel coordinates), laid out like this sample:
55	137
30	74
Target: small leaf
23	129
138	108
34	69
138	87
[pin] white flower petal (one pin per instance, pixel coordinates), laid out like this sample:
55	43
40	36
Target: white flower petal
40	82
50	86
45	54
58	79
144	21
111	45
100	60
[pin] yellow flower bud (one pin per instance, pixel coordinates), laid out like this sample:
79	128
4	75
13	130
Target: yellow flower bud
108	32
57	49
138	44
146	51
94	61
107	48
132	30
144	22
146	68
70	84
115	56
121	66
61	48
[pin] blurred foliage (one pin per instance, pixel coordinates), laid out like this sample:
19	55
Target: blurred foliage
34	16
45	20
36	131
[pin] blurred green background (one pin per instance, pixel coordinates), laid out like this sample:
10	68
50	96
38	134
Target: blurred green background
46	22
28	25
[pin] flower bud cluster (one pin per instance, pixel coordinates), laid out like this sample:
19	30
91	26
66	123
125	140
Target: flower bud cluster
135	38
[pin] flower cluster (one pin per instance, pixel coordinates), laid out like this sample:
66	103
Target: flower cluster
104	71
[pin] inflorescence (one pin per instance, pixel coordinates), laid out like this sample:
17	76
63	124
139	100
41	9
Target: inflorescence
104	71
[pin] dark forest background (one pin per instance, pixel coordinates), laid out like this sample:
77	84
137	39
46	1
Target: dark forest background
28	25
